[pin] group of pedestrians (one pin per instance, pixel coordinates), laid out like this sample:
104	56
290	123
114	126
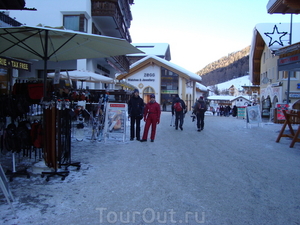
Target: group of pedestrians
150	112
223	110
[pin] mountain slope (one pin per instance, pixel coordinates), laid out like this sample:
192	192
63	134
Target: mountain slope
234	65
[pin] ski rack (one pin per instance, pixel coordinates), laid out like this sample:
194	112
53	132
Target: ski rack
14	172
52	146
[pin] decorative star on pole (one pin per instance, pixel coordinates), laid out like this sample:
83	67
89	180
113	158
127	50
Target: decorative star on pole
275	36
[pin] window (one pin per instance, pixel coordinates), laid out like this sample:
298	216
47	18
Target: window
75	22
285	74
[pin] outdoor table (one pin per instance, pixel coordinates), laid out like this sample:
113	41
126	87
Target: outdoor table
290	115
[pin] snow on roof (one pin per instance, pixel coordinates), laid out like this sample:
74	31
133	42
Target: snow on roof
237	82
151	49
221	97
228	97
270	4
201	87
192	76
277	35
247	97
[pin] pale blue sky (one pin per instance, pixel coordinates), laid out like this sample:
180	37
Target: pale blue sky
198	31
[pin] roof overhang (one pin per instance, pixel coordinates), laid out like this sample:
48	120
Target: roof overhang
288	49
283	6
14	5
256	51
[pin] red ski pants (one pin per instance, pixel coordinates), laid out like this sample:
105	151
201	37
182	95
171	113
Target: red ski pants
151	120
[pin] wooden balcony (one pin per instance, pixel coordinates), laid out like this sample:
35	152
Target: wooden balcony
121	62
108	17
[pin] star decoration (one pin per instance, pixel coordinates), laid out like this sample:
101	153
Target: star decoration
275	36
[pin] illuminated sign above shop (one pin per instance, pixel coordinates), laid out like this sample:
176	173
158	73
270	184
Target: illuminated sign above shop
14	64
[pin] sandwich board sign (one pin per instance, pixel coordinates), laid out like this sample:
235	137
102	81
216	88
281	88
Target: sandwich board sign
115	121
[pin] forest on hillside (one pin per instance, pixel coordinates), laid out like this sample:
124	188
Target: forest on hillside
234	65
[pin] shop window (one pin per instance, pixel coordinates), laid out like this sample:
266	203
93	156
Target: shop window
285	74
75	22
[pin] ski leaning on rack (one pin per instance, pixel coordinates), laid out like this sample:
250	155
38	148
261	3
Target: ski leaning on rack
98	120
95	126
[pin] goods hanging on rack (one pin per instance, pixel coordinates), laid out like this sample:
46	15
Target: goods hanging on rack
57	141
17	135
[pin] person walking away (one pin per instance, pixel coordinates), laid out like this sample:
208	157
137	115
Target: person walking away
234	111
151	117
213	111
178	107
199	110
228	110
135	112
218	111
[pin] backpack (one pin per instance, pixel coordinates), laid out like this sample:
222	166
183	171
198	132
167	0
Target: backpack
177	106
202	106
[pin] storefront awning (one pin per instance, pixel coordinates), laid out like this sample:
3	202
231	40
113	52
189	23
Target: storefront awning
283	6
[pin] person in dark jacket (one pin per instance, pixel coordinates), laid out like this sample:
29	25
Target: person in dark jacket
179	113
135	112
151	117
234	111
199	110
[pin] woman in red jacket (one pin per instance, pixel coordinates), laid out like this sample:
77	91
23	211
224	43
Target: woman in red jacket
151	117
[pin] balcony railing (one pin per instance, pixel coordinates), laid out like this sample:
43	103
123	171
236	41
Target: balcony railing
123	63
6	19
111	9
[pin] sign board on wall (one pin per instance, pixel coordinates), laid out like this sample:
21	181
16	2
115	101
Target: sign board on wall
15	64
280	107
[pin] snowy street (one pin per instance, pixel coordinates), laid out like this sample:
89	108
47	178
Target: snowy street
226	174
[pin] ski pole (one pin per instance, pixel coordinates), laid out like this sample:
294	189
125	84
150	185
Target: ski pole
172	120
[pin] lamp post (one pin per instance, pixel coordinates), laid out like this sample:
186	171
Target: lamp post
289	72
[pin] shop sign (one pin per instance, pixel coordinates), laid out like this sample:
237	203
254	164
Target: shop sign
140	80
288	60
14	64
146	77
168	92
294	95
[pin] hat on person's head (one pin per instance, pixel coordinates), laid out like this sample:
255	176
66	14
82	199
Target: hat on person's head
135	91
152	96
201	97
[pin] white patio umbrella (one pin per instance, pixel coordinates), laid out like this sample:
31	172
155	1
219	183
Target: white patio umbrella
80	75
46	44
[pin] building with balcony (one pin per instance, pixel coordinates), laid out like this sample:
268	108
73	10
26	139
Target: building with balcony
267	39
103	17
288	62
